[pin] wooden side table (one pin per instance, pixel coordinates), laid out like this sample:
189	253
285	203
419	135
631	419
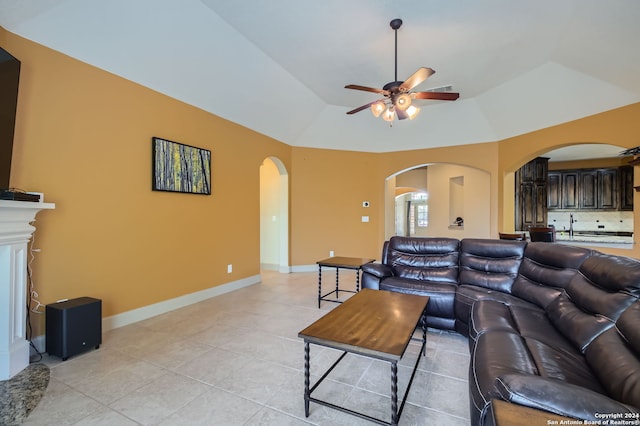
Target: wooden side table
508	414
355	263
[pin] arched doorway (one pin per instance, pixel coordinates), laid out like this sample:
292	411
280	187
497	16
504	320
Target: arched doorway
430	197
577	156
274	215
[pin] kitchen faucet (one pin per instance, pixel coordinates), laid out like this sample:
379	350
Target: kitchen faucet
570	224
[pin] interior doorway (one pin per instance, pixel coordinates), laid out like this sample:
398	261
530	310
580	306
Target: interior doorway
438	199
274	216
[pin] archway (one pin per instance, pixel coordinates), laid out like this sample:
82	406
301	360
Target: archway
451	191
274	215
572	155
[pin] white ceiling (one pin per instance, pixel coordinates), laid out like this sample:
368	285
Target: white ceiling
280	66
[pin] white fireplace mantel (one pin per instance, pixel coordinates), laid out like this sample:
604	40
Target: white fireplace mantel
15	231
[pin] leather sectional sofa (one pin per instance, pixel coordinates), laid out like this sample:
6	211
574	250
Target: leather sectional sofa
550	326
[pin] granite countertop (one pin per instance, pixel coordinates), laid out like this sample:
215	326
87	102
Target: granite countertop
608	239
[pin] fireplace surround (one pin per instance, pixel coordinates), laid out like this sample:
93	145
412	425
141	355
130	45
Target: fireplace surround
16	229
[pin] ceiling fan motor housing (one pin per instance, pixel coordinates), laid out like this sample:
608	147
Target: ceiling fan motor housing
396	23
393	86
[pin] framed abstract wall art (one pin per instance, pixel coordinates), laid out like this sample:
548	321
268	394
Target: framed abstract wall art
180	168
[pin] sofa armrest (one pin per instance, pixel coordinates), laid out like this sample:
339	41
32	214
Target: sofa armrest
373	273
560	398
378	270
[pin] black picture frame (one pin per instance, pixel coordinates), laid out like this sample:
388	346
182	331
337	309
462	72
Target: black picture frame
180	168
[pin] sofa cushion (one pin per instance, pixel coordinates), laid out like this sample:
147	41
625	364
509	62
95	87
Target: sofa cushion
468	295
492	315
594	299
495	354
488	269
615	357
551	354
527	321
523	342
441	298
424	259
545	270
491	264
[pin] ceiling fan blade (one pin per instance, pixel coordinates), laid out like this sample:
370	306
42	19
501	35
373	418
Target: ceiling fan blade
367	89
440	96
365	106
416	78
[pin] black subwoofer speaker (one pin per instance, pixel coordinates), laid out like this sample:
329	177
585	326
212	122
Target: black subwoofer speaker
73	326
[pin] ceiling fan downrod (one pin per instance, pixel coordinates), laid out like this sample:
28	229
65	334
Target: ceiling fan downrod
395	25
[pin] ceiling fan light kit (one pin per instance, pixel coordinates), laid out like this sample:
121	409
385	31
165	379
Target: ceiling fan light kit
403	101
398	97
377	108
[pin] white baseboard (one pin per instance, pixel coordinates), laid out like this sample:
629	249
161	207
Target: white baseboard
129	317
304	268
40	343
149	311
283	269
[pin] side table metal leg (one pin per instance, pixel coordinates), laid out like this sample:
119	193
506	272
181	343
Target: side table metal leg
319	285
307	394
357	280
394	393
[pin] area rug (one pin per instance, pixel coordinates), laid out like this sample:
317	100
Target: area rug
20	394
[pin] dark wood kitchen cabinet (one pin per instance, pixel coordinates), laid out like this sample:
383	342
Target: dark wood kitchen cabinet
531	194
554	190
590	189
570	193
625	179
607	189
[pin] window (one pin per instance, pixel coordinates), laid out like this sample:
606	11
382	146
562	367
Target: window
423	215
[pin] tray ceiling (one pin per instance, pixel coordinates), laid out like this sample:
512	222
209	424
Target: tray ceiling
280	67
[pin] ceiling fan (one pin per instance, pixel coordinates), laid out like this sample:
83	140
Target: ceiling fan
397	94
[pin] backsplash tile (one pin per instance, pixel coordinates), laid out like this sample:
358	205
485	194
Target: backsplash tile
613	221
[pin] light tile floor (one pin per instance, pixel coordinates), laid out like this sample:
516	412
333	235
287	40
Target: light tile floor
236	359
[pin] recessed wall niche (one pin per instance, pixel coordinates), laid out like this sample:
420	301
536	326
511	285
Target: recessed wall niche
456	201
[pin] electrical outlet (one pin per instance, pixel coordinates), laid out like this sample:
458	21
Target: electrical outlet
229	268
331	254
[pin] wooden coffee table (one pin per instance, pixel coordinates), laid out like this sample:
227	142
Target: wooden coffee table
374	323
338	262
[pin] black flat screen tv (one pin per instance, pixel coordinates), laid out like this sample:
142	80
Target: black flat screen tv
9	79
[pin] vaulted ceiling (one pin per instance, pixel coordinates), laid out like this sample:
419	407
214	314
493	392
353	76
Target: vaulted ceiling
279	67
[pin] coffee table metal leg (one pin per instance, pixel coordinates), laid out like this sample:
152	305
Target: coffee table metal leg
337	282
424	334
307	393
394	393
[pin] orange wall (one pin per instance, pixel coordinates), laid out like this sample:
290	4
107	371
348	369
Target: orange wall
328	188
83	138
327	191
